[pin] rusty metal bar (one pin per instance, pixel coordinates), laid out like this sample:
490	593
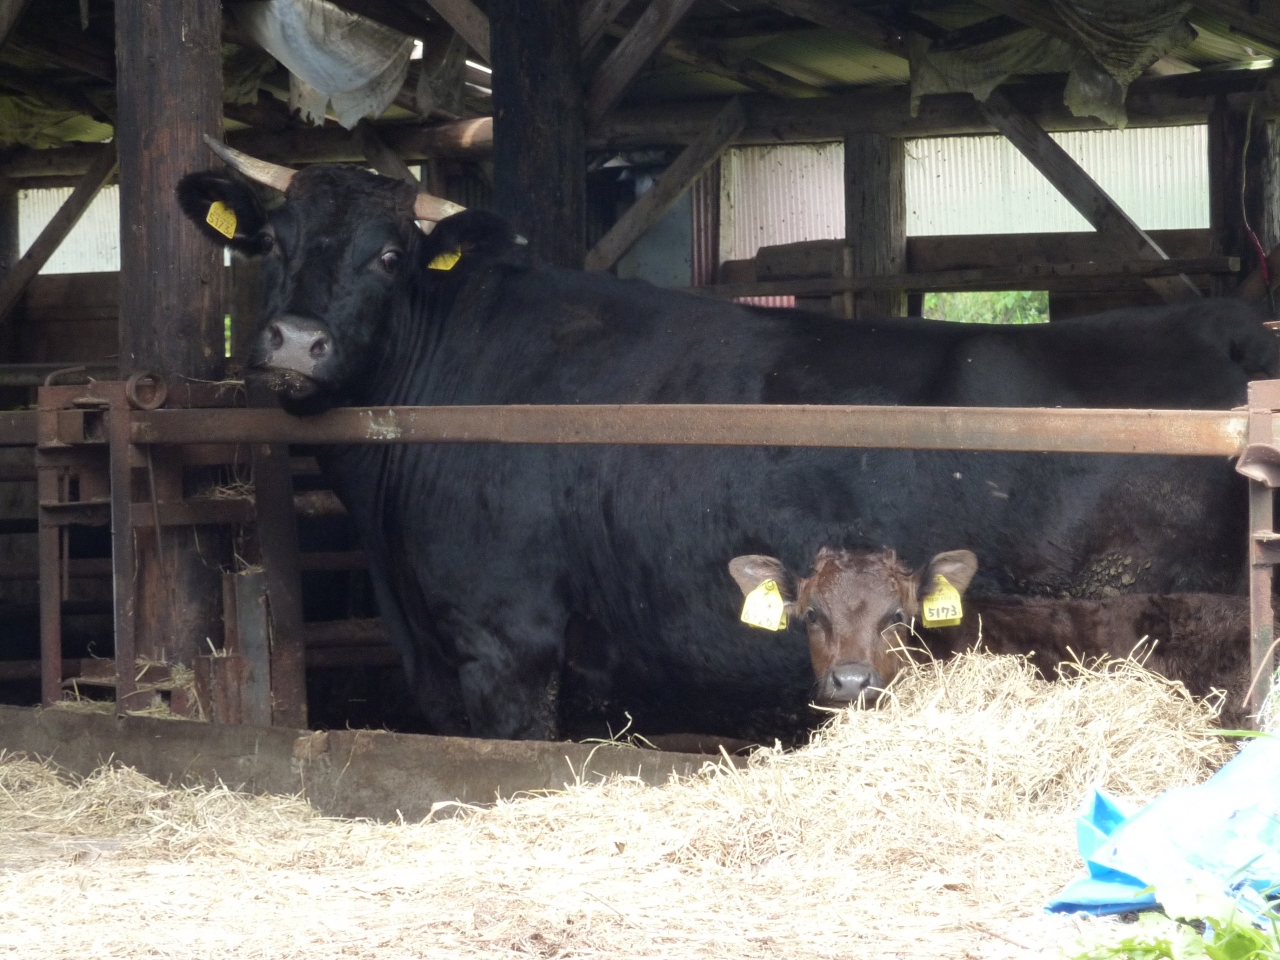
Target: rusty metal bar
1261	576
1186	432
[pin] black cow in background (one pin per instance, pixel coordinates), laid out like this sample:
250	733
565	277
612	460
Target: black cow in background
483	555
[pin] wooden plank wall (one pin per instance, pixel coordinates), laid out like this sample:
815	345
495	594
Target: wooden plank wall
822	258
73	317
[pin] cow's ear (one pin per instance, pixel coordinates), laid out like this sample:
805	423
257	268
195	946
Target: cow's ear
225	210
753	569
958	566
472	236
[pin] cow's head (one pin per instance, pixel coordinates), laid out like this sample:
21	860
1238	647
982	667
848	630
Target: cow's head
339	253
856	607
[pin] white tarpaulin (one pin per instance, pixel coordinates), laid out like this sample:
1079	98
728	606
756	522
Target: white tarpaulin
1112	42
335	57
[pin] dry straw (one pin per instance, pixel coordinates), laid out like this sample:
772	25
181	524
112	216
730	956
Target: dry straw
933	827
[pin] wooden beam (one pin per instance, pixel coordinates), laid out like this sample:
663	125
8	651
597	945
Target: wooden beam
596	16
1259	19
1047	276
649	208
11	12
469	20
1037	14
751	74
51	237
844	18
1151	102
1082	192
631	53
380	156
392	15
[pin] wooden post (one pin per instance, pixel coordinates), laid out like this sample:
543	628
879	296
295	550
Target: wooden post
1242	186
539	160
875	218
169	91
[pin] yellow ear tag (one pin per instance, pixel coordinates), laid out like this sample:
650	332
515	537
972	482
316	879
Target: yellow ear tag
445	261
764	607
941	605
222	218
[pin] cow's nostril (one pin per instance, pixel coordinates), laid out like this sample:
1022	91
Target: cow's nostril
275	336
320	347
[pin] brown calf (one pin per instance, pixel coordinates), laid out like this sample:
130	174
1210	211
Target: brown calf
856	607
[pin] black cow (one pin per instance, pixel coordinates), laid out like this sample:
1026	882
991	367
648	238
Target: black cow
483	554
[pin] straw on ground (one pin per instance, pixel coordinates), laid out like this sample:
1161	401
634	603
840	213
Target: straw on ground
934	827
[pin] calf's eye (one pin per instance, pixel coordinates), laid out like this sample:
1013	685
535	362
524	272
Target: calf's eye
810	616
390	260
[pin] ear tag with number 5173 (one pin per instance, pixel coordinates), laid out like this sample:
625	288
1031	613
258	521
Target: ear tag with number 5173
765	608
941	605
222	218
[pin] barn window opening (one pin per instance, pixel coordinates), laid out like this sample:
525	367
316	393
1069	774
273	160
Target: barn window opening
961	186
1003	306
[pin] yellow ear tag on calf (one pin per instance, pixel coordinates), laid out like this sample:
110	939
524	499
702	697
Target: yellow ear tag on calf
764	607
445	261
222	218
941	605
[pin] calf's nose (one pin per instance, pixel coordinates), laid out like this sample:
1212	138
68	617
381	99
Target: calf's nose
292	343
848	683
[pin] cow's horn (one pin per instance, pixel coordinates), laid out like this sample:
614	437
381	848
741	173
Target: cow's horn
428	207
259	170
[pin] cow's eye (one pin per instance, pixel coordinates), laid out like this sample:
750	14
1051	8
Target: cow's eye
390	260
266	242
811	615
899	616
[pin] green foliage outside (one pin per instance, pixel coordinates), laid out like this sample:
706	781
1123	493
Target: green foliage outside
1003	306
1213	930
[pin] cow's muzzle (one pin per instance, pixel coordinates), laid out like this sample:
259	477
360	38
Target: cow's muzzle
850	683
292	352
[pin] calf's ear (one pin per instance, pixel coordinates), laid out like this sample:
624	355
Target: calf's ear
469	237
958	566
225	210
753	569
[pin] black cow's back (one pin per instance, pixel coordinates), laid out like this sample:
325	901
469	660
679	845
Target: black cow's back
488	549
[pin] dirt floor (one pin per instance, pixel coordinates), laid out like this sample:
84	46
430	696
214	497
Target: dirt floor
935	827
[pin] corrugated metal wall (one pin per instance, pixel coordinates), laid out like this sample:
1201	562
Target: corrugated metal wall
92	247
959	185
784	194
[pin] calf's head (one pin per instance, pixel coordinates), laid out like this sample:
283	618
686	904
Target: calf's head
856	607
339	254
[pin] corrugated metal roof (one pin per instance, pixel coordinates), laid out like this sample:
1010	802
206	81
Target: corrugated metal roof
92	247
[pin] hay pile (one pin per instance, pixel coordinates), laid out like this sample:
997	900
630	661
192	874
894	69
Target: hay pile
935	827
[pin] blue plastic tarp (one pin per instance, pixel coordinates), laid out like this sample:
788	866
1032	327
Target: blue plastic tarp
1224	832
